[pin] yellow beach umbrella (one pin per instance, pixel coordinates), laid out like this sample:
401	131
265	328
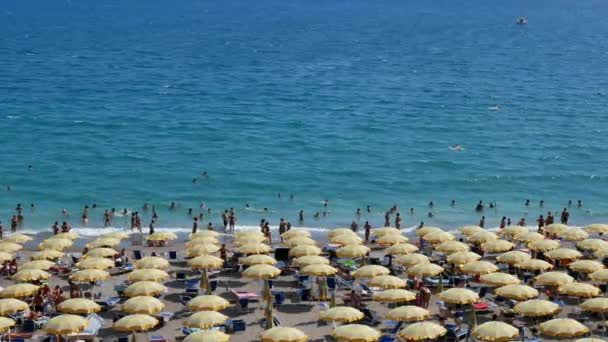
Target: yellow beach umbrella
148	274
210	240
260	259
144	288
4	256
115	235
553	279
66	235
318	270
205	319
534	265
298	241
19	291
499	279
422	331
427	230
356	333
400	249
340	231
56	244
64	325
556	228
257	248
514	230
592	244
513	257
601	275
295	233
152	262
10	306
104	242
284	334
543	245
95	263
483	237
6	324
394	296
206	261
342	314
438	237
370	271
450	247
38	264
574	234
310	260
207	336
212	233
408	313
208	303
380	232
202	249
89	275
300	251
564	254
78	306
413	259
134	323
18	238
597	228
536	308
10	247
47	254
586	266
387	282
563	327
101	252
497	246
351	251
143	305
602	253
459	296
461	258
162	236
529	237
246	240
424	270
582	290
391	239
590	339
518	292
479	267
495	331
346	239
595	305
261	272
471	230
32	274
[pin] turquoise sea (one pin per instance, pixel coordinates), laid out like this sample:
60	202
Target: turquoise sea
124	102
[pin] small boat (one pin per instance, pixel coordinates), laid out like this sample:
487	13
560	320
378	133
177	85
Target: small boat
522	21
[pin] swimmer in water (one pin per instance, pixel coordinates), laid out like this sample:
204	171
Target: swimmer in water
301	216
64	211
497	107
453	203
456	147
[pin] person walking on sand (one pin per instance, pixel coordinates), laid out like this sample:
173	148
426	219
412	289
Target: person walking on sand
398	221
368	230
541	223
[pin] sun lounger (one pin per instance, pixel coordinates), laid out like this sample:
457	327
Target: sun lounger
370	318
158	338
387	338
245	295
455	333
108	302
165	315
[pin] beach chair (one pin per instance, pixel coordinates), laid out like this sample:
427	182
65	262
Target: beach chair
123	339
184	299
455	333
180	276
387	338
158	338
244	305
483	291
108	303
172	255
94	323
137	255
279	298
393	327
213	285
331	283
165	316
370	318
387	261
29	326
238	325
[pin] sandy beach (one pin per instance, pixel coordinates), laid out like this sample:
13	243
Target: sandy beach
293	310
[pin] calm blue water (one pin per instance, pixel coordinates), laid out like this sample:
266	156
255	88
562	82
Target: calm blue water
119	103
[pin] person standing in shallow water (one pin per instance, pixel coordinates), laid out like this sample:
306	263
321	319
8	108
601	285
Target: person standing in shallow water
482	222
301	216
541	223
354	226
387	219
565	216
503	222
195	225
14	223
398	221
368	230
550	219
232	220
